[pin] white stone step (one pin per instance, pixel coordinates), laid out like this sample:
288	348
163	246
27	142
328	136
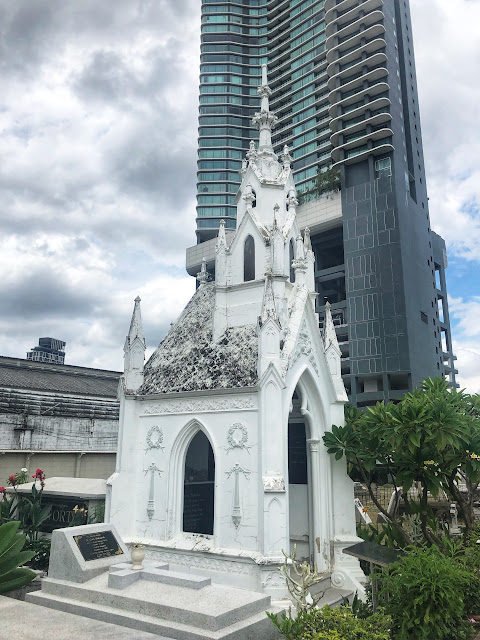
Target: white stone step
122	575
211	608
255	627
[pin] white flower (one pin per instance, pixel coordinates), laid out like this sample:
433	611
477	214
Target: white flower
24	470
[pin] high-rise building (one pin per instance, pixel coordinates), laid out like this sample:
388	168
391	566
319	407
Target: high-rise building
344	88
48	350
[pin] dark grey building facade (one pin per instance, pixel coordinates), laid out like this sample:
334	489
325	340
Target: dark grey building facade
344	89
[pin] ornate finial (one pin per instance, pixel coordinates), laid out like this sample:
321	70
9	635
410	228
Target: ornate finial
292	199
221	239
252	152
249	196
269	309
306	239
202	275
300	262
243	170
265	120
264	75
286	158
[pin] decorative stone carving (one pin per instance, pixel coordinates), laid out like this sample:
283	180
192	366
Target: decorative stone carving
200	406
155	438
237	437
304	347
274	484
195	561
338	579
152	470
236	514
273	579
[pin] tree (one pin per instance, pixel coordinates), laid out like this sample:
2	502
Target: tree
327	182
431	437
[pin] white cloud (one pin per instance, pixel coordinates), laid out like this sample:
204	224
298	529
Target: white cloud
447	50
98	124
466	343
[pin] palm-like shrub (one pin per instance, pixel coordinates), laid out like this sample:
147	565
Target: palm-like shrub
11	557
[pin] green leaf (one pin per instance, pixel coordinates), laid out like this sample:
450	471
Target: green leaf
16	579
11	561
339	455
8	532
16	546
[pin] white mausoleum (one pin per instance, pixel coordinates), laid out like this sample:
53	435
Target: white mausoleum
221	464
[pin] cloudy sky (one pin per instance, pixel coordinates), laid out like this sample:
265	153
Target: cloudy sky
98	118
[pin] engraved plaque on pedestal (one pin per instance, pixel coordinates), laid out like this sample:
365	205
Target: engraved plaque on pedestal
101	544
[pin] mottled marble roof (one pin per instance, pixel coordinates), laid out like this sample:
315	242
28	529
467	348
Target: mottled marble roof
188	359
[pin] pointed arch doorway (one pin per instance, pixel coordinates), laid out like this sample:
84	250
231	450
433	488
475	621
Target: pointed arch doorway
299	482
199	486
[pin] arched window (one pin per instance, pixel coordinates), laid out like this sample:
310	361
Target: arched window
254	203
292	258
249	259
199	486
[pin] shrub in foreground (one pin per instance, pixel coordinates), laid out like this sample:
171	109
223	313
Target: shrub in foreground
332	624
424	594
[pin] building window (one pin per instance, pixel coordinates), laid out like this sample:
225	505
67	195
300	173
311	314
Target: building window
383	168
249	259
424	317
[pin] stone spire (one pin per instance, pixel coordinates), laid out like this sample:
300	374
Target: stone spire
332	352
221	256
329	334
265	119
134	350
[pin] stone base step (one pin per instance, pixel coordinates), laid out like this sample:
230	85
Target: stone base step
255	627
212	607
122	575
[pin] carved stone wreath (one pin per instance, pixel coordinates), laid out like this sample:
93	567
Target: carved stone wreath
155	438
237	437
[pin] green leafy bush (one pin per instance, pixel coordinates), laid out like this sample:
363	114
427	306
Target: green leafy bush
425	596
11	556
332	624
41	551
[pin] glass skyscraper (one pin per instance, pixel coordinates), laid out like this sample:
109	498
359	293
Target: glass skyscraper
344	88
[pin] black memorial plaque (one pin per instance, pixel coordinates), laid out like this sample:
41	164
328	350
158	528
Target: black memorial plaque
198	507
63	512
101	544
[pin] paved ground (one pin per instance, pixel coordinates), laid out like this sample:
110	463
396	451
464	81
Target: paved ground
25	620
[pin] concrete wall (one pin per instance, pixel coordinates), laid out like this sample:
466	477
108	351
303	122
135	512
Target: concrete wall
53	463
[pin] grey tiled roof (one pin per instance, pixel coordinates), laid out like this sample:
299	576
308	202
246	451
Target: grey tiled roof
189	360
16	373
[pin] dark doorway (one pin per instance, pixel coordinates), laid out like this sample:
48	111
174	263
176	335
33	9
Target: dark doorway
298	488
199	486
